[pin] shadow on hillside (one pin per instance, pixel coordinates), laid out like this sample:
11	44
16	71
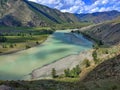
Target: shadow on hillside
106	70
43	85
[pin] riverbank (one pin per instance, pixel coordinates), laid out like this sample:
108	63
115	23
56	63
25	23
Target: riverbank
14	39
60	65
15	50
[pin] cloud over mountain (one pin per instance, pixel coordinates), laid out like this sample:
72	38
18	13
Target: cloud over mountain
81	6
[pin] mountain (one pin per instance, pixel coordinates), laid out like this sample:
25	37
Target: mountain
107	32
25	13
98	17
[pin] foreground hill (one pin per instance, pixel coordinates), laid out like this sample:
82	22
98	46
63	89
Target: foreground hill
106	70
25	13
98	17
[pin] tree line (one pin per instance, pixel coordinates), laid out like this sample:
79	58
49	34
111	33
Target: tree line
72	73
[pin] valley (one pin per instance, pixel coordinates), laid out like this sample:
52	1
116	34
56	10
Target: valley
42	48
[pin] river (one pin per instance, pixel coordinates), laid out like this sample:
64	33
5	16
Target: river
58	45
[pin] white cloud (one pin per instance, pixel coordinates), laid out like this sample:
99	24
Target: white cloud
79	6
94	10
60	5
105	1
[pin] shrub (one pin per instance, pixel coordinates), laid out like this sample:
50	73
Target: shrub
53	73
3	39
94	55
87	63
4	46
37	42
11	46
114	87
27	46
73	72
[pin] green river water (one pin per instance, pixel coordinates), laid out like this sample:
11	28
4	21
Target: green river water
58	45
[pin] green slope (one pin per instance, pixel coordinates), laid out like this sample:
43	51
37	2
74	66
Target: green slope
60	17
25	13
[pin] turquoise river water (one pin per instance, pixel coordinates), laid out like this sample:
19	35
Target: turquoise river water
58	45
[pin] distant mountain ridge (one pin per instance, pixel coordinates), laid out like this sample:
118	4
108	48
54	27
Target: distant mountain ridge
26	13
98	17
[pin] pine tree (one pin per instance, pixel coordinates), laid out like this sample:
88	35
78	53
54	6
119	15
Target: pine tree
94	55
78	70
53	73
67	72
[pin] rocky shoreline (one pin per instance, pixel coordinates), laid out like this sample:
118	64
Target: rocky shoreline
60	65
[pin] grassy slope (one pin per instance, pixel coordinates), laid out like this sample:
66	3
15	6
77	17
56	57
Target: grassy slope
107	32
106	70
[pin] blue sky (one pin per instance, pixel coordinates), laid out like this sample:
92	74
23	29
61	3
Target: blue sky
81	6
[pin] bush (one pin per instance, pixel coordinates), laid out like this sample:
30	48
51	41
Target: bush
114	87
27	46
11	46
72	73
96	46
94	55
87	63
37	42
4	46
3	39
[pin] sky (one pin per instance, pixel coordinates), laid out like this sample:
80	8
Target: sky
81	6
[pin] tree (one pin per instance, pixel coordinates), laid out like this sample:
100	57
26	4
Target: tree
11	46
73	73
27	47
67	72
53	73
37	42
87	63
4	46
78	70
96	46
94	55
3	39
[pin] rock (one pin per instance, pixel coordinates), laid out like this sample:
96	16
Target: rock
4	87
